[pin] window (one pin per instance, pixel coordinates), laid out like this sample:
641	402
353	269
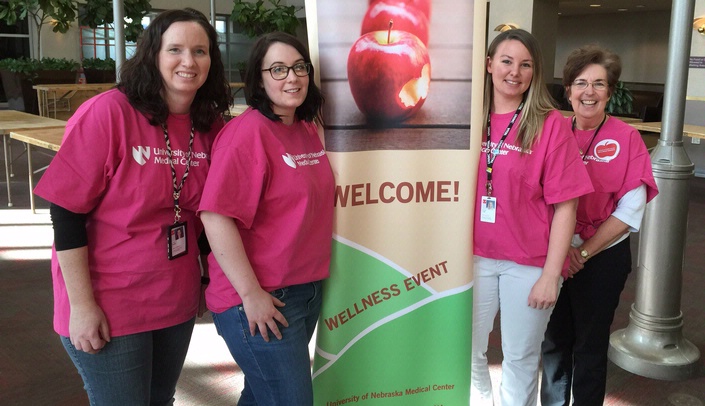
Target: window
100	42
234	47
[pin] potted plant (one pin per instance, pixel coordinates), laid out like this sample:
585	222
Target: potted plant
620	103
29	72
99	70
257	18
241	67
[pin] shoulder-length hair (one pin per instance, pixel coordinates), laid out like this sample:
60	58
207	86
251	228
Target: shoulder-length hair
143	84
587	55
537	101
255	93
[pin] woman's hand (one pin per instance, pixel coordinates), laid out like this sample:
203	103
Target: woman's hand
260	307
544	293
577	262
88	328
261	310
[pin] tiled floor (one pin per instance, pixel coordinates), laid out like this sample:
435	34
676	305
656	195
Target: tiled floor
34	369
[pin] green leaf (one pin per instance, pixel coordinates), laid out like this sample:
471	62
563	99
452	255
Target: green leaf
258	18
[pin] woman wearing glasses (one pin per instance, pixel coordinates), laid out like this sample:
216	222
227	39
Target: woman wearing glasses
577	338
267	208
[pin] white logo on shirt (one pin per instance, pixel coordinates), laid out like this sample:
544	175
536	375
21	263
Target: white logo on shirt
289	160
606	150
141	154
308	159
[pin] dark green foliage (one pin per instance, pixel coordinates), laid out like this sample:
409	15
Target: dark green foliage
257	18
621	100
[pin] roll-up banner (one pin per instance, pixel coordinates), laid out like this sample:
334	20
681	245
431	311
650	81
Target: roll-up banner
397	75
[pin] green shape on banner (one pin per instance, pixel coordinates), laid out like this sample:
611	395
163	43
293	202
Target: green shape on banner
422	358
397	351
366	290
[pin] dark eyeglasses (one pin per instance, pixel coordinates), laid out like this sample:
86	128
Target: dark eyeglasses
280	72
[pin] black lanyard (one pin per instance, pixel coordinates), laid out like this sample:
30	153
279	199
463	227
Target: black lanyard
597	130
493	152
178	188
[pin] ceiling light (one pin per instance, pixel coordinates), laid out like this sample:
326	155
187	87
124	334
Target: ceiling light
595	5
506	27
699	25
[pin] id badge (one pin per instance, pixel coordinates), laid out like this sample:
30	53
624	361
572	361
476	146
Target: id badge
177	243
488	210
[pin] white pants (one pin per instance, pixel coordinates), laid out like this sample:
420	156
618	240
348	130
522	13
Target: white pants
505	286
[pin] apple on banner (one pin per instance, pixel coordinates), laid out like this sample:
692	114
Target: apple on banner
406	18
389	73
423	5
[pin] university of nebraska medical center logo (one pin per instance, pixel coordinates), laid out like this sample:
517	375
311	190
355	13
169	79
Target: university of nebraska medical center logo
141	154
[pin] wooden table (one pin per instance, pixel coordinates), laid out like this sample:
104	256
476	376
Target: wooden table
236	87
693	131
50	96
237	109
47	138
12	120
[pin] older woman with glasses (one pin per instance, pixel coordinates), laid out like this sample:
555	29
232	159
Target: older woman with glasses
577	338
267	209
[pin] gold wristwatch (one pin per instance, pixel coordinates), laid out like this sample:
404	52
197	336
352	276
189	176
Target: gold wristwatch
584	253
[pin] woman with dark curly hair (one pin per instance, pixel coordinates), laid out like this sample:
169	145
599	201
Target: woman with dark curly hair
127	180
268	210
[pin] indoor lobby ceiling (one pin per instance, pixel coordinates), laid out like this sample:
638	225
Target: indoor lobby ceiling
579	7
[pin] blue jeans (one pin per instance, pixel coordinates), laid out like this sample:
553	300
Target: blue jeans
277	372
136	369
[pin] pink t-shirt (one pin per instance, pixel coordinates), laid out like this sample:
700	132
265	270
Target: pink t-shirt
113	165
526	187
276	181
617	162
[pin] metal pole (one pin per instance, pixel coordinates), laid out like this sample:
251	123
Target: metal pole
653	345
213	13
119	25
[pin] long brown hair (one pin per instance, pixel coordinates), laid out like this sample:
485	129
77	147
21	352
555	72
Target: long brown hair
143	84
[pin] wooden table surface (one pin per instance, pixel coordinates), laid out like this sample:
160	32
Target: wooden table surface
15	120
444	120
12	120
69	87
237	109
47	138
694	131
